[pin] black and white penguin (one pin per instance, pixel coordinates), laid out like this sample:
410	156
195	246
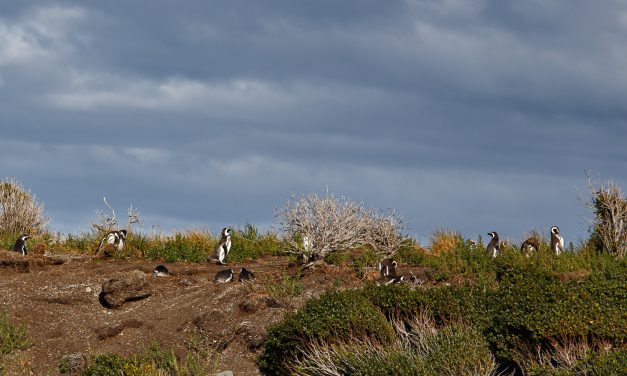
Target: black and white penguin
223	247
494	247
224	276
530	245
160	271
20	244
115	238
387	267
557	242
245	275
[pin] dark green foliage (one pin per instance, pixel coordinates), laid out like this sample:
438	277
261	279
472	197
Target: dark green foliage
447	304
532	308
518	303
409	254
336	258
457	350
12	336
337	316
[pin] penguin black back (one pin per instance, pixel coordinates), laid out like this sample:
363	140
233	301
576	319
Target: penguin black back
20	244
530	245
387	267
160	271
245	275
223	276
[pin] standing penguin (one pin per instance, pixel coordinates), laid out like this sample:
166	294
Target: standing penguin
223	247
557	242
20	244
115	238
494	247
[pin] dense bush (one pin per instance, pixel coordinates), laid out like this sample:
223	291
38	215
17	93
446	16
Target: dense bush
337	316
528	303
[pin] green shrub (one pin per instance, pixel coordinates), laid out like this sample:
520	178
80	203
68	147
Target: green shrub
12	336
457	350
249	244
419	348
359	358
409	253
336	316
464	261
193	246
533	307
447	304
153	361
336	257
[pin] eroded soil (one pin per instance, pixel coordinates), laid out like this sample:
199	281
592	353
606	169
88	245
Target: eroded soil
57	298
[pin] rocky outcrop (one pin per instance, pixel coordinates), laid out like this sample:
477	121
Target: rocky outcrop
123	287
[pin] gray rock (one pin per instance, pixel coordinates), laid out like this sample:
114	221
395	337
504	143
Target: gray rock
124	287
224	373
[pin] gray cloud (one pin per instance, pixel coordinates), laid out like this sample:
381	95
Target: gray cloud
473	115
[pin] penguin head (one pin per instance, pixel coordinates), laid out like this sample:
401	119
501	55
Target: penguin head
122	234
493	234
226	232
23	237
555	230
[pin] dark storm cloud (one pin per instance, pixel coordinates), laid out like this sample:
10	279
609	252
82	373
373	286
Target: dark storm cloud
473	115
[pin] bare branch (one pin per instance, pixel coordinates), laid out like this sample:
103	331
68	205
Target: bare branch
315	226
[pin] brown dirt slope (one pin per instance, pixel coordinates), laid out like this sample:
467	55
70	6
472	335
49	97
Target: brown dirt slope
57	298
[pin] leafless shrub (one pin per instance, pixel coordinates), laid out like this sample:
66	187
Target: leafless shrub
609	207
417	340
106	223
315	226
561	353
20	212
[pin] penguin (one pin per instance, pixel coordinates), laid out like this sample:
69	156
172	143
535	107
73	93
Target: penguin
530	245
245	274
557	242
223	247
224	276
387	267
115	238
472	244
494	247
121	239
390	279
160	271
20	244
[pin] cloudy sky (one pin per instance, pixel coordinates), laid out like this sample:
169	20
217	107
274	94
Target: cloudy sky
472	115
